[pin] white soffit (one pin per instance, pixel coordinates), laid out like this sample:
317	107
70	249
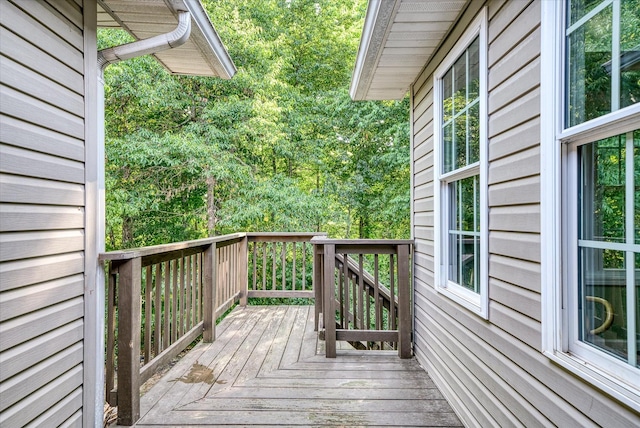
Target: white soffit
398	39
202	55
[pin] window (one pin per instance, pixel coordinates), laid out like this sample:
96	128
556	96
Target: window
459	87
591	192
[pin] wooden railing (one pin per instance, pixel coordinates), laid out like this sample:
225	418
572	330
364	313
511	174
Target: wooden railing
281	265
161	298
365	293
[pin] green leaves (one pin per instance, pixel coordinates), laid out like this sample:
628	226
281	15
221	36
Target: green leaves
280	147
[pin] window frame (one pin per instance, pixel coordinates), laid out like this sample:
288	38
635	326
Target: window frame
559	213
475	302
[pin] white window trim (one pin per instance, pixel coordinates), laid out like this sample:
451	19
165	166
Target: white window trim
475	302
557	158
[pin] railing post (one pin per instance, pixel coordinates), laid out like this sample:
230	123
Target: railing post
404	303
209	270
243	271
329	313
317	283
129	326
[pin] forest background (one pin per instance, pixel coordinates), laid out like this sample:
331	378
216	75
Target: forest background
280	147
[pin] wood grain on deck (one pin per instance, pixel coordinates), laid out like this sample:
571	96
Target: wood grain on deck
267	368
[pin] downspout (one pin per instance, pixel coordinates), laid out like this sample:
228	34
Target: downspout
105	57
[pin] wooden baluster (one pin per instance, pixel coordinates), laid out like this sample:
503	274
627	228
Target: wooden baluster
167	305
264	265
392	303
346	285
174	301
284	265
199	288
404	303
209	285
147	314
329	300
111	333
189	291
255	266
376	294
273	273
243	271
293	274
157	340
304	266
129	325
361	290
341	297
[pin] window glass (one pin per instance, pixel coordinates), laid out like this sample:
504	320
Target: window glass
460	110
603	200
603	301
608	250
629	52
589	48
579	8
464	236
598	83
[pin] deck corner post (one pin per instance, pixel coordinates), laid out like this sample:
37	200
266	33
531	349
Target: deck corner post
317	283
243	271
329	312
209	270
404	303
129	325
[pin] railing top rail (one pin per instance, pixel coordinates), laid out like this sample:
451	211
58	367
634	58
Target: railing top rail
166	248
322	241
283	236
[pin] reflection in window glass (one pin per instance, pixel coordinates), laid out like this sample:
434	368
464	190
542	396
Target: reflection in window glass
603	300
629	53
460	110
598	83
464	236
608	243
603	201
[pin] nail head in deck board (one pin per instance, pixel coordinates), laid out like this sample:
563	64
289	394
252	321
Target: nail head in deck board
269	358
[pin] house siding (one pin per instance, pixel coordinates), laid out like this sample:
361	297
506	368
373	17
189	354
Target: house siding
493	371
42	212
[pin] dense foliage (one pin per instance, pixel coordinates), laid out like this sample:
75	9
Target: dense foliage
280	147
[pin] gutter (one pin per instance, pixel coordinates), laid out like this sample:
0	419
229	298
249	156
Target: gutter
158	43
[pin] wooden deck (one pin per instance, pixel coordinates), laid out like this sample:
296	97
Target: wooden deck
267	368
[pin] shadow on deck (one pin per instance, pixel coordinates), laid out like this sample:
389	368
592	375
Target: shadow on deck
267	367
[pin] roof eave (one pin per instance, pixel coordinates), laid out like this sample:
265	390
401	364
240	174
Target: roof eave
224	65
376	24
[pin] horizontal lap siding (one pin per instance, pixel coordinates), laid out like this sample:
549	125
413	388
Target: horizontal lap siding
42	217
493	372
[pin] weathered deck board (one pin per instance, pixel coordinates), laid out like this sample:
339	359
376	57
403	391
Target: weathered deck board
267	368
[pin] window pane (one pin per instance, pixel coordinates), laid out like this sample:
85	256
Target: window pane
579	8
447	95
460	84
473	127
460	140
474	70
447	142
464	225
603	190
589	80
603	301
629	52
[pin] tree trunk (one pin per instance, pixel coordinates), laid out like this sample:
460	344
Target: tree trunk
127	232
212	218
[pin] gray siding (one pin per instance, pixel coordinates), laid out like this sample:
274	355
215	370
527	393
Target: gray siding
493	372
42	175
